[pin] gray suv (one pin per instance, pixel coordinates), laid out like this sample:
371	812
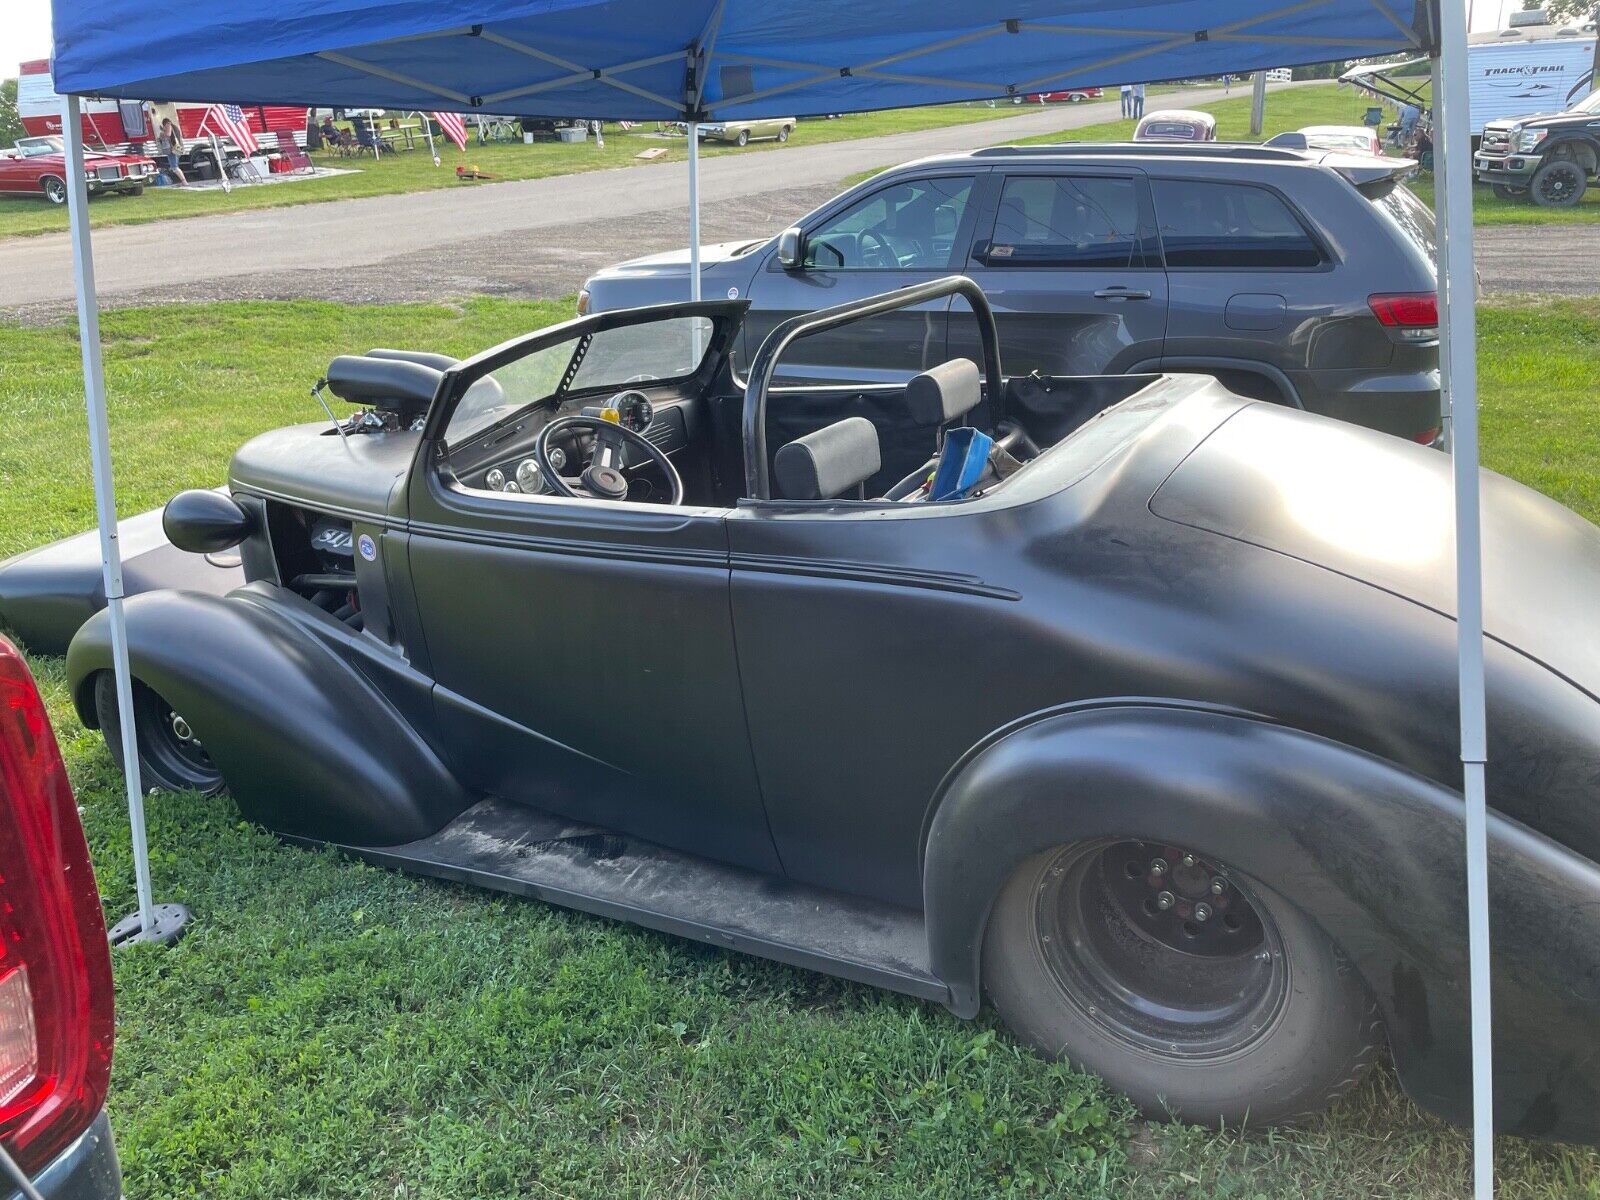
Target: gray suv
1297	276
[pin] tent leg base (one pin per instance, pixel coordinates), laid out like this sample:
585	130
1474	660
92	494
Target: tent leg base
170	923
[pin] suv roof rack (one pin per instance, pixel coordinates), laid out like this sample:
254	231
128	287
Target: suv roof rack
1163	149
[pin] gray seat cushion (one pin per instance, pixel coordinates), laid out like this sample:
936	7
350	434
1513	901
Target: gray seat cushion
829	462
944	393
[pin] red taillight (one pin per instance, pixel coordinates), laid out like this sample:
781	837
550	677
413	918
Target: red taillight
1427	437
1406	310
56	1017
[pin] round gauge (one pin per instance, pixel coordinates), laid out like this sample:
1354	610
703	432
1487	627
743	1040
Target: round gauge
528	477
511	486
558	458
495	480
634	411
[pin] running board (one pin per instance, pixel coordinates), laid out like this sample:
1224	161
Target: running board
512	848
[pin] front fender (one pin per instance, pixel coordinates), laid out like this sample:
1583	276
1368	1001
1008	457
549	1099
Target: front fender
1372	852
307	741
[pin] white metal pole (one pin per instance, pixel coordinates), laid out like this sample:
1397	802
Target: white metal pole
427	128
1452	158
94	389
1258	103
694	210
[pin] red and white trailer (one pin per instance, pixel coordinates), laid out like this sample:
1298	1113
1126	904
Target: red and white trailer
111	125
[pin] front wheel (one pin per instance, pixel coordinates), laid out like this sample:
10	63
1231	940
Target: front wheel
783	133
55	190
1195	990
1560	183
171	757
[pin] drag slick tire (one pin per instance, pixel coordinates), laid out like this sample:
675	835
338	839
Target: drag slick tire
171	757
1195	991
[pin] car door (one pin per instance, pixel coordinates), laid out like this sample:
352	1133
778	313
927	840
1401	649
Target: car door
905	231
582	650
1069	261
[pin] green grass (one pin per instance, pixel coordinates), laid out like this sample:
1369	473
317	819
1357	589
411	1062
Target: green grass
414	171
333	1030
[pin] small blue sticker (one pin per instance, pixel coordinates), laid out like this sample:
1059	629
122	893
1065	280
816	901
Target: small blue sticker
368	547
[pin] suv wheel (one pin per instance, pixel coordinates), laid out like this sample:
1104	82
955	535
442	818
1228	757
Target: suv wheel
1195	990
1504	191
1558	184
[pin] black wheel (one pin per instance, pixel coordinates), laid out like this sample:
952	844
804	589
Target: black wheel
744	137
55	190
1558	184
1196	991
171	757
136	190
1504	191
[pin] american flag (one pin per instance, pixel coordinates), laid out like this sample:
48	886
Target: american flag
228	119
453	128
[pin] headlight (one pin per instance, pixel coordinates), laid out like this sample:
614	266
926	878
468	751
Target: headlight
1528	139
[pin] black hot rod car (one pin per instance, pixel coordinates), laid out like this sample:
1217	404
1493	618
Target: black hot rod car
1127	702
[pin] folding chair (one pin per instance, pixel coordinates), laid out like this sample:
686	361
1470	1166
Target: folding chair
297	158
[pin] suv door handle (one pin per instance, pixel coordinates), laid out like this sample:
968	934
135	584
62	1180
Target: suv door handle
1122	293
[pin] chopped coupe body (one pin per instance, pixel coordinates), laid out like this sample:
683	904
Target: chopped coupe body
1122	700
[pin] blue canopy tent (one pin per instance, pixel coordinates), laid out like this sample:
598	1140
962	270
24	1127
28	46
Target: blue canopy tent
701	60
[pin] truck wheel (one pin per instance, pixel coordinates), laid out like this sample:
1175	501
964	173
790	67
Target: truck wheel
55	190
1504	191
1559	183
171	758
1194	990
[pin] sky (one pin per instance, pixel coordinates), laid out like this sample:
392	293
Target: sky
25	27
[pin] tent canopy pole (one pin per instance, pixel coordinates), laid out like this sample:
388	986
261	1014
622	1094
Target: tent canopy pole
151	923
1457	292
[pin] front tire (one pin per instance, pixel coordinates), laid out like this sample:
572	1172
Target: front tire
1560	183
171	757
55	190
744	137
1209	1006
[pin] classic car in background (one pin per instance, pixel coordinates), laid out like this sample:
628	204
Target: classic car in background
1343	139
1125	701
1072	96
1176	125
37	166
742	133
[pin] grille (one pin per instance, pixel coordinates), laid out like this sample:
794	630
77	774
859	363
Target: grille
108	173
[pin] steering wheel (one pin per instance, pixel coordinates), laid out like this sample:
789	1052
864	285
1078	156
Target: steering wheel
602	479
884	253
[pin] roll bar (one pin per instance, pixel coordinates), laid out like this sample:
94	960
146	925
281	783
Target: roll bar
756	476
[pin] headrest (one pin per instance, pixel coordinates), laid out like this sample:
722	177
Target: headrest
829	462
405	387
439	362
941	394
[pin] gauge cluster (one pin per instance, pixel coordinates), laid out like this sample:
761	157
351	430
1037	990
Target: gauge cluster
520	474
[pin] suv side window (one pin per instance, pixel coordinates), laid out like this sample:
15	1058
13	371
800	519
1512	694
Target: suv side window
1068	221
910	225
1230	226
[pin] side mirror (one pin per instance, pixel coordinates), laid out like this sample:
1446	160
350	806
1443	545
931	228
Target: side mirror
203	522
791	248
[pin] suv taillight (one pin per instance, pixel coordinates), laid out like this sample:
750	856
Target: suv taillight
1410	316
56	1018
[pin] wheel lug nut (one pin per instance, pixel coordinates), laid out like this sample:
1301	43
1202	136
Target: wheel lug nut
1188	860
1158	866
1202	912
1165	900
1218	886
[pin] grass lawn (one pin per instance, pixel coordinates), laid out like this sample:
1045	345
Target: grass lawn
414	171
333	1030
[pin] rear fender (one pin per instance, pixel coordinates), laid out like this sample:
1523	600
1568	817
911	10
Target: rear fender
317	735
1373	853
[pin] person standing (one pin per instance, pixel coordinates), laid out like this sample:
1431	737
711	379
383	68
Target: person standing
169	145
1127	99
1138	101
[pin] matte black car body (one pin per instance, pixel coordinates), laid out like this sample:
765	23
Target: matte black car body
1304	335
828	731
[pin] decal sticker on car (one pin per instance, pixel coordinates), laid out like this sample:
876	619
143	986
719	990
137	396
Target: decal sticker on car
368	548
733	293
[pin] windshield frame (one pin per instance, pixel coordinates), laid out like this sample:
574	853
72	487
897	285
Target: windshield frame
39	146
